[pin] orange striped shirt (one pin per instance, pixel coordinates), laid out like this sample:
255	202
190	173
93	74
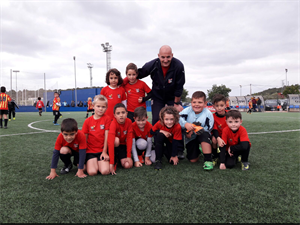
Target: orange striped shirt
4	99
54	106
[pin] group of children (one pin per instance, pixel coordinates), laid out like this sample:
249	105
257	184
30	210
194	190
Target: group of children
120	135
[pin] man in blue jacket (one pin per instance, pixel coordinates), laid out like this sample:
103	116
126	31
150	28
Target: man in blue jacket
168	78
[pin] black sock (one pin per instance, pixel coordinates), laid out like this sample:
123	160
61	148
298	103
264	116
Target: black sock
66	158
207	157
5	122
1	122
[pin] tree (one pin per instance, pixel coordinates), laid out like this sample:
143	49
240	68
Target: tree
222	89
293	89
184	95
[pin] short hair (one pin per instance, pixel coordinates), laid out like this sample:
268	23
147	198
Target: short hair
99	98
69	125
3	89
140	112
39	98
219	98
132	66
199	94
89	98
117	73
56	93
119	105
168	110
234	113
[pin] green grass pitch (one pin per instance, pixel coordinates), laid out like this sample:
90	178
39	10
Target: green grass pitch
267	193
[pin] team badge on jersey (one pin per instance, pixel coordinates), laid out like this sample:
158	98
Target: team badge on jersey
75	145
93	127
110	96
230	140
118	133
125	132
102	126
137	90
119	96
220	126
129	91
170	81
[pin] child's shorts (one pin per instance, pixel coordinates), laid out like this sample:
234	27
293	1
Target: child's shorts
93	155
90	110
120	152
192	148
55	112
40	109
3	112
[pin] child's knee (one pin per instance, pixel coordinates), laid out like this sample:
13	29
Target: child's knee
92	172
117	142
127	164
194	160
65	150
104	171
214	140
206	147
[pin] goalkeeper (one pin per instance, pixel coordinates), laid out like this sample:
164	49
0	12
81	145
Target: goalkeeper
197	122
55	108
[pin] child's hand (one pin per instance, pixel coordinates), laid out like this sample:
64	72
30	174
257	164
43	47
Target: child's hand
221	143
104	156
229	152
140	100
80	174
147	161
138	164
189	134
189	126
166	133
174	159
112	169
222	166
52	175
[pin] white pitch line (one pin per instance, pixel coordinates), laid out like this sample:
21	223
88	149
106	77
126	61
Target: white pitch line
279	131
30	126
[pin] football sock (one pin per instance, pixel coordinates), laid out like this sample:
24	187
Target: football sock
5	122
207	157
66	158
1	122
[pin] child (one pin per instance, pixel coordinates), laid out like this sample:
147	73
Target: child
55	108
89	107
167	131
96	130
142	139
197	114
70	142
219	103
135	90
12	109
236	141
113	92
40	105
4	99
120	139
250	106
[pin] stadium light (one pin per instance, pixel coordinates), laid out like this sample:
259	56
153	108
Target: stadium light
75	82
107	48
90	66
286	70
16	71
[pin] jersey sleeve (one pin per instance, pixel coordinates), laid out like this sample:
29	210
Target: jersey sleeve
129	141
177	132
81	140
146	87
111	142
124	96
58	143
85	127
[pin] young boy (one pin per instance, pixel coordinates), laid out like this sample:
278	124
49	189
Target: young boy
12	109
119	139
219	103
141	138
40	105
236	141
55	108
70	142
90	107
4	99
197	114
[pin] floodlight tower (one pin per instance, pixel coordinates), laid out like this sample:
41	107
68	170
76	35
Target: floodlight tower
16	71
90	66
107	48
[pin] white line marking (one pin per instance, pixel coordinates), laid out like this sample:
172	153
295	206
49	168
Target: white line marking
30	126
279	131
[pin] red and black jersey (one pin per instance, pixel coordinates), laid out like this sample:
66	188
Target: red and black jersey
77	144
137	133
124	133
134	91
39	104
95	129
90	105
4	99
219	123
113	96
233	138
54	106
175	130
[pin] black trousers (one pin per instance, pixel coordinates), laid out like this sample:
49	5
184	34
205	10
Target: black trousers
13	112
230	162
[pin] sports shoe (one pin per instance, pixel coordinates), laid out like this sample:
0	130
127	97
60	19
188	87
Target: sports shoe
5	127
0	126
66	169
158	165
208	165
180	155
56	124
9	120
60	116
245	165
239	158
215	161
14	118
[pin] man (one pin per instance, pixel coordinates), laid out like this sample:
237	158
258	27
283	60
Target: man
168	78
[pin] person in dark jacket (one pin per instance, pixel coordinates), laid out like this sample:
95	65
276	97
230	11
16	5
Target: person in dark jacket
12	110
168	78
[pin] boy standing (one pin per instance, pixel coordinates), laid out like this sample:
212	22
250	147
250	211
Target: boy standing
12	110
236	141
70	142
4	99
55	108
197	114
40	105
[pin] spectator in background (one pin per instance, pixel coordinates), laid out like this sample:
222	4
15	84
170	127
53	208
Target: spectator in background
72	103
258	104
254	104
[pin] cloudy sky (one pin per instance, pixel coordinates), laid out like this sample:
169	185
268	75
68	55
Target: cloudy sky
245	45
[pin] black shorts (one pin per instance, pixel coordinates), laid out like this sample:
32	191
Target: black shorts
40	109
120	152
3	111
192	148
56	112
93	155
90	110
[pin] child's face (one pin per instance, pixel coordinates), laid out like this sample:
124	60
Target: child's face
100	107
169	120
141	122
198	104
234	124
56	95
69	136
131	74
120	115
113	80
220	107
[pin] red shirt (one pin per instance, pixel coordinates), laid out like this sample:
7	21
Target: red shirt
231	138
136	132
219	123
134	91
78	143
113	96
54	106
175	130
124	133
4	99
90	105
95	129
39	104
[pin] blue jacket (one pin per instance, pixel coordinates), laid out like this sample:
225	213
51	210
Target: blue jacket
164	89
